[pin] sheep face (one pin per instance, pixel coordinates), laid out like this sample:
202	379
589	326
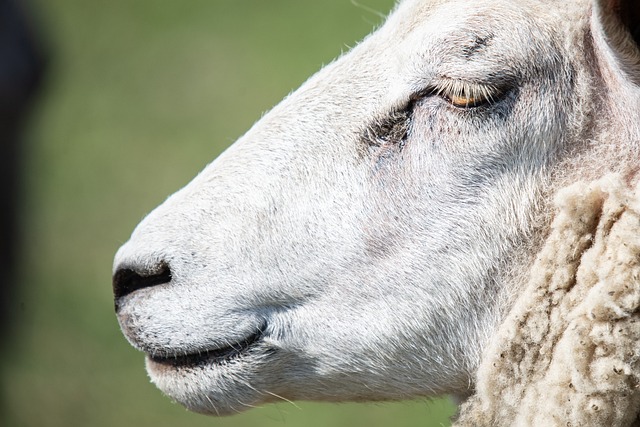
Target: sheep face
363	239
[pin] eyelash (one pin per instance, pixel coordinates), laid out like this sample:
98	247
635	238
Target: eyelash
466	95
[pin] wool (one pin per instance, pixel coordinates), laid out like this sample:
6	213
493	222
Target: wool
568	352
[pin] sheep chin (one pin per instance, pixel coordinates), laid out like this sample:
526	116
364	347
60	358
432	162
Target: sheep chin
218	385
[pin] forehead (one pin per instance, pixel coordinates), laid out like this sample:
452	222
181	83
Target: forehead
465	19
413	13
486	32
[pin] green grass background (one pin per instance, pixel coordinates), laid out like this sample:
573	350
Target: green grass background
141	95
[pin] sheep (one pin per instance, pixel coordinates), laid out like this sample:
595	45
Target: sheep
374	236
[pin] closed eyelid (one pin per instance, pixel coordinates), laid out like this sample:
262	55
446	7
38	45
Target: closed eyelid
465	94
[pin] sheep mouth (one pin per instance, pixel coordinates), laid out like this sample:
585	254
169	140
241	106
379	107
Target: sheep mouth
217	356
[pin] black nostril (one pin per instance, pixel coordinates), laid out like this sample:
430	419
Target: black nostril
127	280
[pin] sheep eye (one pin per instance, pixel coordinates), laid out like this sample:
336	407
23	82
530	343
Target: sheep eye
465	101
466	95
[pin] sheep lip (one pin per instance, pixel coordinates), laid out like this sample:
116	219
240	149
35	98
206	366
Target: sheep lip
216	356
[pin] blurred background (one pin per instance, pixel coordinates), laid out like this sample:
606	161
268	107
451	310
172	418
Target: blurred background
137	96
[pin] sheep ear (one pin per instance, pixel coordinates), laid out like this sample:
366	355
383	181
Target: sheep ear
620	19
617	24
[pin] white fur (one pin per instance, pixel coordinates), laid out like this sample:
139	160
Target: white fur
380	267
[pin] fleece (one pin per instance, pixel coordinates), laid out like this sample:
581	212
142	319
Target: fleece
568	352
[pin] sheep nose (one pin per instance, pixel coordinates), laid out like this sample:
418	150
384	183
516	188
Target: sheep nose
127	280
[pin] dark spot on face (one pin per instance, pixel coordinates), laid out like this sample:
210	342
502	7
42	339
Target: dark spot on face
478	44
389	130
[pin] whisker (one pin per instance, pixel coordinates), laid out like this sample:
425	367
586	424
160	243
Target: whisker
368	9
283	399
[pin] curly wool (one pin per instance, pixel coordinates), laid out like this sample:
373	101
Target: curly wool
568	353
